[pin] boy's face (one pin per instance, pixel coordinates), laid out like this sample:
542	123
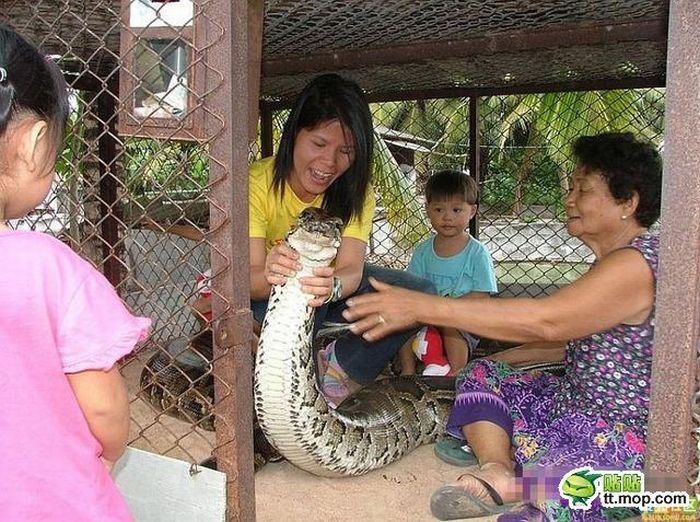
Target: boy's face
450	217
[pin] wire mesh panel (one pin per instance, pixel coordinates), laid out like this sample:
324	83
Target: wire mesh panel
524	167
523	172
132	191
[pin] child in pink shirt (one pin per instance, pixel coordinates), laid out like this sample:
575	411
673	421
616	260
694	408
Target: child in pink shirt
65	414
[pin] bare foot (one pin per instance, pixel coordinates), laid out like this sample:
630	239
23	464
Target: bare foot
498	476
484	491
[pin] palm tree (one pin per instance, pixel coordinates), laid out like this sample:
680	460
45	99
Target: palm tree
554	120
540	127
403	210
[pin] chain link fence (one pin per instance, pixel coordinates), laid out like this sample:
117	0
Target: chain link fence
132	191
523	174
135	161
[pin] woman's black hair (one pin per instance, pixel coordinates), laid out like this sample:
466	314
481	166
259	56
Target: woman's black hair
628	166
31	84
326	98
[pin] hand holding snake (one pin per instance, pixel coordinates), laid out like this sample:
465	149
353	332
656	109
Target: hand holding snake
283	262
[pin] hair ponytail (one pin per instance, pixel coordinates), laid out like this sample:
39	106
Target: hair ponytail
6	95
31	84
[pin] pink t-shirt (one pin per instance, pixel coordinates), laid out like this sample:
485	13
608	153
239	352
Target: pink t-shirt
58	315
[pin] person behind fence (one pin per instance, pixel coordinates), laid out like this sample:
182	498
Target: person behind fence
596	414
65	412
459	266
324	160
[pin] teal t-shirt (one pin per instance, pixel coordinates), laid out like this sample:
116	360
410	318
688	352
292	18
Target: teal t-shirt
470	270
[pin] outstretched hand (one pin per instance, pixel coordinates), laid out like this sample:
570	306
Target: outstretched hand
377	314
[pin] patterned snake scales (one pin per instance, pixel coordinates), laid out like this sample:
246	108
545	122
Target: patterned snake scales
375	426
372	428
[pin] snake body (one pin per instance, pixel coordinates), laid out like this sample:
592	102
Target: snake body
374	427
179	383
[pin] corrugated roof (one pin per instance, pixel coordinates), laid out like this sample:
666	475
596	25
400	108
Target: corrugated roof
397	48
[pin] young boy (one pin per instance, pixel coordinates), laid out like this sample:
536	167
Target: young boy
458	265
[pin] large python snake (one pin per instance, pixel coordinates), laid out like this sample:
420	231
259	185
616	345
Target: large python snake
375	426
179	383
372	428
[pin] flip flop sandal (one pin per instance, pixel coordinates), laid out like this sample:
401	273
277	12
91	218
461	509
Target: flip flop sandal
453	502
454	451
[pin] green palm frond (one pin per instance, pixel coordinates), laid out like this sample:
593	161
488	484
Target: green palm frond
520	117
452	147
404	212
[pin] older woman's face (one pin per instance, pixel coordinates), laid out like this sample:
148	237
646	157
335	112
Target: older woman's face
590	208
321	155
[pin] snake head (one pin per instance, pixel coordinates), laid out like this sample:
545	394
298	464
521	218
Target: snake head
316	236
318	222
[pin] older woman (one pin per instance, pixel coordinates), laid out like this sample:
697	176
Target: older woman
596	414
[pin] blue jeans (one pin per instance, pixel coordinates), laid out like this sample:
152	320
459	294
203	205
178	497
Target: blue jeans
362	360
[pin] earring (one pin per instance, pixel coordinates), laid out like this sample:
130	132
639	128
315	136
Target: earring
624	217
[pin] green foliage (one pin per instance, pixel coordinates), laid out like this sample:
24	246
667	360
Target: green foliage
68	161
164	167
441	125
404	212
525	142
542	187
166	180
548	124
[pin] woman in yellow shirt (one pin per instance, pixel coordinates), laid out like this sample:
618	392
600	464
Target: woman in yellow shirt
324	160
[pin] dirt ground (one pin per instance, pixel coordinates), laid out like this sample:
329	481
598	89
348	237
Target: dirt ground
398	492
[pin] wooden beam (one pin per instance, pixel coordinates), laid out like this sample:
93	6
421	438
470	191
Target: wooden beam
571	86
468	92
603	34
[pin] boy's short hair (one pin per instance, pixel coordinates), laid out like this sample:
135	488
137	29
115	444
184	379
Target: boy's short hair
450	183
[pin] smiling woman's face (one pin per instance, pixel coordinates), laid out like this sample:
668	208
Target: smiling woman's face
590	208
321	155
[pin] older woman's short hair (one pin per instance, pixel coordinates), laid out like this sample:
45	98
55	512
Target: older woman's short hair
628	165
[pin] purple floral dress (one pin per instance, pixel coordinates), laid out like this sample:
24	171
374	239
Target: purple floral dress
595	415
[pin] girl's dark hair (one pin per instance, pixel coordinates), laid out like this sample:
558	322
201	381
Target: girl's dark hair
627	165
450	183
31	84
330	97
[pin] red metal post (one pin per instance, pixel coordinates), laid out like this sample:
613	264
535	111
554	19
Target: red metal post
670	448
233	37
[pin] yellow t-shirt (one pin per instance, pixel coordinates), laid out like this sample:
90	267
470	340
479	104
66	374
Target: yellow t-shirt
271	219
